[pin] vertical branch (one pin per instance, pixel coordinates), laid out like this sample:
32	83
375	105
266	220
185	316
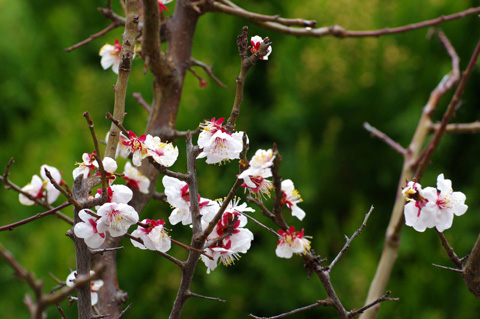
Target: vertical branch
414	151
191	264
471	271
127	54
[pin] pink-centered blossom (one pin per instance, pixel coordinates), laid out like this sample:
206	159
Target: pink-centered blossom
122	149
95	285
88	165
255	42
163	153
217	144
135	179
116	218
291	242
430	207
178	196
110	166
291	198
87	229
137	147
119	194
154	236
236	238
111	56
42	188
255	176
162	3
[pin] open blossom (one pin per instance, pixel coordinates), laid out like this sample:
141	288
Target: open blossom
154	237
291	242
116	218
111	56
162	3
227	250
42	188
110	166
255	175
178	196
88	165
88	230
291	198
163	153
119	194
135	179
122	149
430	207
137	147
256	41
95	285
217	144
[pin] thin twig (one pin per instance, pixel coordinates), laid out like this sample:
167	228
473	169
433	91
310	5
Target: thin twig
93	36
325	303
192	294
349	240
383	298
102	250
394	145
117	123
448	268
171	258
124	311
458	128
338	31
260	224
260	204
207	69
62	190
277	186
451	254
35	217
142	102
160	196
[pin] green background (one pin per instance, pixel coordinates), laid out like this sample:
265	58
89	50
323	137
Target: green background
310	98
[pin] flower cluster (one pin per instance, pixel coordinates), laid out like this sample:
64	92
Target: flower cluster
291	242
291	198
229	237
217	144
154	236
150	146
254	177
256	41
95	285
111	56
178	196
432	207
42	188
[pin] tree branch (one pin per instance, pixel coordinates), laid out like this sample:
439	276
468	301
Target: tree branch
384	137
114	25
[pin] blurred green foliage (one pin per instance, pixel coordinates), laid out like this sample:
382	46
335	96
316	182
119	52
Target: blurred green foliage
310	98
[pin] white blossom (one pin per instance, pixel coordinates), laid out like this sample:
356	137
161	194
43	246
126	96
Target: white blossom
111	56
88	230
154	237
116	218
291	198
135	179
42	189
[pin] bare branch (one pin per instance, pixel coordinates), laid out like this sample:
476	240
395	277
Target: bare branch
35	217
142	102
207	69
62	190
385	297
325	303
93	36
335	30
384	137
260	224
266	212
458	128
171	258
349	240
451	254
448	268
192	294
102	250
124	311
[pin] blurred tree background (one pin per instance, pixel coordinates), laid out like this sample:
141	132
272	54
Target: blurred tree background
311	98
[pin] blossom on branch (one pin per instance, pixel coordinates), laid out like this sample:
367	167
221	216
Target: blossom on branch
88	165
162	3
122	149
110	166
430	207
154	237
256	41
255	175
116	218
111	56
291	242
163	153
95	285
88	230
291	198
119	194
217	144
178	196
137	147
135	179
229	237
42	189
